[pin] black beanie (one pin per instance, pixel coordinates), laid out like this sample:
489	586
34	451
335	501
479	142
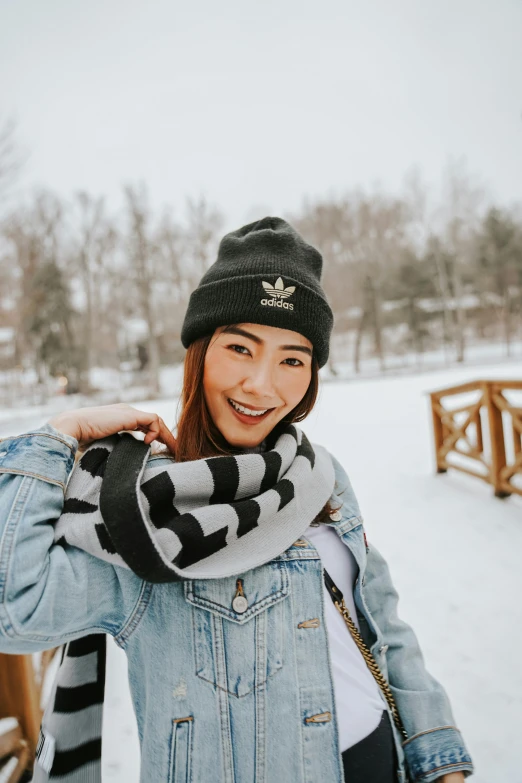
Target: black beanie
265	273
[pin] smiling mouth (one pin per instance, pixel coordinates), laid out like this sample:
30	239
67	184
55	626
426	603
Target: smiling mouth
244	411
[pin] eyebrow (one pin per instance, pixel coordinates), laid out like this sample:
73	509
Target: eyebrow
259	341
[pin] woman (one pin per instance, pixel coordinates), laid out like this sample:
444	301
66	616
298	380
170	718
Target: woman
205	562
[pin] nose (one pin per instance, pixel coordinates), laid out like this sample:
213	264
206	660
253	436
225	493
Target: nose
259	382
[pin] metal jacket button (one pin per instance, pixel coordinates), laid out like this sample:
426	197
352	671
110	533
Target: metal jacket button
336	516
239	602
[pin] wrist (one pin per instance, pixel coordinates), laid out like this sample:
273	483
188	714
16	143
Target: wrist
449	777
67	425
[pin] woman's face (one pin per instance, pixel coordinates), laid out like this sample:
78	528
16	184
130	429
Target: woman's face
258	368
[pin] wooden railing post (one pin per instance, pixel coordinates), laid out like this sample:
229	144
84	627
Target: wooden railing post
19	696
438	433
517	434
496	438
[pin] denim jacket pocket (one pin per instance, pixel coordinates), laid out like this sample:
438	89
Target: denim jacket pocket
238	645
180	757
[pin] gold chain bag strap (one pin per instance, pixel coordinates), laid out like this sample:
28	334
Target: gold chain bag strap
338	599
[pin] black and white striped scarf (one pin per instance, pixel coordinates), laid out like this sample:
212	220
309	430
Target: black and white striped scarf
204	519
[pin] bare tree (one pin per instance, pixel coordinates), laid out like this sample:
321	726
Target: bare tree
93	243
379	241
359	236
204	224
11	159
428	246
460	215
327	226
172	270
142	255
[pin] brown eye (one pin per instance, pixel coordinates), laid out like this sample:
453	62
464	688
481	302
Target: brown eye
233	347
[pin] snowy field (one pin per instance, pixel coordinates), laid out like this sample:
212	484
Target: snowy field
454	551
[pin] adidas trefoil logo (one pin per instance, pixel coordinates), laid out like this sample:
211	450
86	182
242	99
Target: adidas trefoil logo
279	294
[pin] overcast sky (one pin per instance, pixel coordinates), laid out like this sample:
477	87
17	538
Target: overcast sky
259	104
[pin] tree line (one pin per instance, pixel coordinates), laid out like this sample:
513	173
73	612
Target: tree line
421	271
83	287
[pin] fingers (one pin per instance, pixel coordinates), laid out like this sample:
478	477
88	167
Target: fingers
155	429
105	420
167	438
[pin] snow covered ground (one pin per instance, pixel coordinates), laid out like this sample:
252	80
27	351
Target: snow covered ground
454	551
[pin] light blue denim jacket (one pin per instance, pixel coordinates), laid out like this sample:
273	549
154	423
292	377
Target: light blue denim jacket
219	697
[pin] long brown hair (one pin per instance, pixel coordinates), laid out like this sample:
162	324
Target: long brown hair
198	437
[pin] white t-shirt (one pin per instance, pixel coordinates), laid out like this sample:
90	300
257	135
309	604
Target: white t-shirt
358	698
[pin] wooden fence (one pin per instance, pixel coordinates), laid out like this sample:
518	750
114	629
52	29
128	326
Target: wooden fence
485	433
22	679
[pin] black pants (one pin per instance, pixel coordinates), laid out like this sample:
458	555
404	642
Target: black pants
374	758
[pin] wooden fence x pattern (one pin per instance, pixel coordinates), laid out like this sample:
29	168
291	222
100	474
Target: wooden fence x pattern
486	431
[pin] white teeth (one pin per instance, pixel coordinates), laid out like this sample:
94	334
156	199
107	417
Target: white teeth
247	411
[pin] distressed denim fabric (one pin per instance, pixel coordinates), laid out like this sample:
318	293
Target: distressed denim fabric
435	752
219	696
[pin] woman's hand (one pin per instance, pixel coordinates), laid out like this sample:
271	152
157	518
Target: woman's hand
452	777
90	424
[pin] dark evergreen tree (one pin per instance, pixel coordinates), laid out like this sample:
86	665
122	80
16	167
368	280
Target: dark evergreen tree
51	324
499	259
